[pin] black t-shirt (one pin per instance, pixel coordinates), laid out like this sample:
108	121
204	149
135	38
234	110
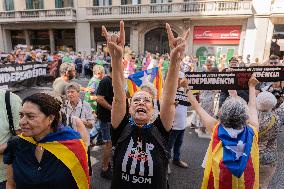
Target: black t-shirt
105	89
29	173
139	164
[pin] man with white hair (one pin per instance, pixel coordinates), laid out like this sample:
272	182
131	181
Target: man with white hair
178	129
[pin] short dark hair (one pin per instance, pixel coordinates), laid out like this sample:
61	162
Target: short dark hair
233	59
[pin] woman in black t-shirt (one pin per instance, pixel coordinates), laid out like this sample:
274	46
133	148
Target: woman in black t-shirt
140	158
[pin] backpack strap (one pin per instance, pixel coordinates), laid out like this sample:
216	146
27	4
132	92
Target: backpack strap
9	113
161	141
125	133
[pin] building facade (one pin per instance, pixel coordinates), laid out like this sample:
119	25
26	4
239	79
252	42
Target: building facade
218	27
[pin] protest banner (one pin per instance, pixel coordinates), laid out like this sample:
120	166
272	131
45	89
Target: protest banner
18	76
181	98
235	79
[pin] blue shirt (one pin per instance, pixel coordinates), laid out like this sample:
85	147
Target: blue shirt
29	173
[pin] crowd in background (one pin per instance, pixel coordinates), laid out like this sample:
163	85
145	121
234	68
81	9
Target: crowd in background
132	63
93	114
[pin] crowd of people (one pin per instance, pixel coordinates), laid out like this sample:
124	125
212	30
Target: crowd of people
54	131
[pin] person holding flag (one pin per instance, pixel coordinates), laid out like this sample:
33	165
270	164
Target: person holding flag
232	159
140	155
47	154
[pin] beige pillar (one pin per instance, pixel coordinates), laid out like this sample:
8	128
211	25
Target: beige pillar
28	40
116	2
49	4
92	37
83	37
51	40
8	41
134	39
2	8
242	38
177	1
5	40
83	3
268	39
143	2
20	5
257	28
2	46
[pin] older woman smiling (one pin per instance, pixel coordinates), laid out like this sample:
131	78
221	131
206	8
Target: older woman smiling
140	157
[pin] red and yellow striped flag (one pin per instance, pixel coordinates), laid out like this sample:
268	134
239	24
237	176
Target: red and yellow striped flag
220	173
67	146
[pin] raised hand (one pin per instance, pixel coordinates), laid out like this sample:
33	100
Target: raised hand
252	81
184	83
115	42
177	44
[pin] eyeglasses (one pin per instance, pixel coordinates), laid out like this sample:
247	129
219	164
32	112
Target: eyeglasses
71	91
233	62
145	100
274	63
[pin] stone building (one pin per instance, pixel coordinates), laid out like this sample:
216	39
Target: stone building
229	27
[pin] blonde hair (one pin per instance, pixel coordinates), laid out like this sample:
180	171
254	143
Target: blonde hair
98	69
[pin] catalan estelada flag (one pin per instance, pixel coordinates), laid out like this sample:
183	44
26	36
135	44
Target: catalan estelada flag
232	161
67	146
153	76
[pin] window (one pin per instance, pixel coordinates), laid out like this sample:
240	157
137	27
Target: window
34	4
130	2
39	39
161	1
17	37
9	5
63	3
64	39
102	2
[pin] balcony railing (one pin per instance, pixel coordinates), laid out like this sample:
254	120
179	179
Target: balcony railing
60	14
191	8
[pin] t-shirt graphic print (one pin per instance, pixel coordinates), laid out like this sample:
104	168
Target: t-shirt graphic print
138	161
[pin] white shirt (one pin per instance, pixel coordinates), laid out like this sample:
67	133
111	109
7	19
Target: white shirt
83	111
180	117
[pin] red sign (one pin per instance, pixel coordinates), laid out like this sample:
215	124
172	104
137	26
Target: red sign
217	34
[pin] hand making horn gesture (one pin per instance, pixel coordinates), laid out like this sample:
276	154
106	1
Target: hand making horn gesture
115	42
177	44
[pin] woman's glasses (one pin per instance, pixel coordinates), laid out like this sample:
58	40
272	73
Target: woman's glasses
138	100
273	62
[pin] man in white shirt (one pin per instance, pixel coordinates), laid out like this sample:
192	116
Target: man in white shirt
177	132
